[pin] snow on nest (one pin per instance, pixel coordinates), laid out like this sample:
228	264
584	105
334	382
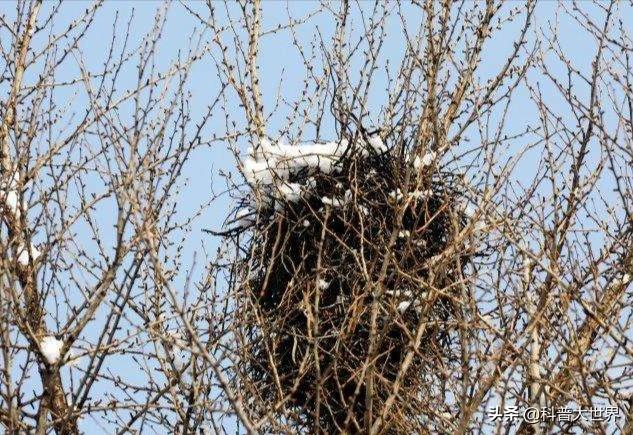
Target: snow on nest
404	305
278	161
396	195
338	202
404	298
417	194
404	234
269	166
323	284
291	192
51	349
375	141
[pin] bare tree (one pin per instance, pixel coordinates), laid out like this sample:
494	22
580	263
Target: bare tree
92	165
430	234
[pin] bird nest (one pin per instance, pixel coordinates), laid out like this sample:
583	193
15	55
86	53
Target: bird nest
339	240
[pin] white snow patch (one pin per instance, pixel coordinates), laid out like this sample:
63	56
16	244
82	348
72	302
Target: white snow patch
9	195
406	298
399	293
420	243
311	183
277	161
51	349
396	195
11	201
403	306
322	284
291	192
417	194
269	168
405	234
262	171
375	141
337	202
23	255
425	160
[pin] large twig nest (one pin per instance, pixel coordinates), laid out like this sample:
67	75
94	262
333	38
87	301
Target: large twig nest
331	233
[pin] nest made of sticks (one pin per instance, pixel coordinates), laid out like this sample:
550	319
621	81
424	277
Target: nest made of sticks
345	254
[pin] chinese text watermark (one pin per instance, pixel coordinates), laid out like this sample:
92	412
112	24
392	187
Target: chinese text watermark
534	415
